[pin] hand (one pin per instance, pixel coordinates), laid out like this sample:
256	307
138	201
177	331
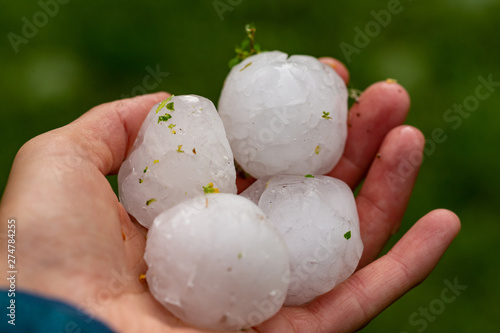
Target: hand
77	242
389	156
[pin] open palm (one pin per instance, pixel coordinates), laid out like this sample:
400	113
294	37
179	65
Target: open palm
81	246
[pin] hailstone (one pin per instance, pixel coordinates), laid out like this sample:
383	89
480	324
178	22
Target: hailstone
318	219
181	152
254	191
216	262
284	115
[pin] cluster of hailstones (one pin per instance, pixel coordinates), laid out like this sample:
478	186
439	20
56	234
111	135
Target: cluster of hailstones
224	261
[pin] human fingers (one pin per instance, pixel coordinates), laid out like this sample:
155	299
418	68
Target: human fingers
386	191
338	66
381	107
106	132
57	188
354	303
66	158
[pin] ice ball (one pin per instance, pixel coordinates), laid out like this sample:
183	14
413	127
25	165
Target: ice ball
216	262
181	151
318	219
284	115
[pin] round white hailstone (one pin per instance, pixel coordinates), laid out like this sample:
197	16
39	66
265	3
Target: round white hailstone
318	220
284	115
216	262
181	152
254	191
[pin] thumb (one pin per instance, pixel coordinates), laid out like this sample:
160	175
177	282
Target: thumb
106	132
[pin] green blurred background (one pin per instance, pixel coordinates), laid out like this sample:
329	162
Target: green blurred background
91	52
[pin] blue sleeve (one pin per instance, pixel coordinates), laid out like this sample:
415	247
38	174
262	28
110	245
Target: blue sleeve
32	313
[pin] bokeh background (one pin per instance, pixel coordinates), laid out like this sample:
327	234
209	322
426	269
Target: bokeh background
89	52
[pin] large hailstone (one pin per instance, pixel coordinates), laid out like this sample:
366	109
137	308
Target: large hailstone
216	262
284	115
318	219
181	152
